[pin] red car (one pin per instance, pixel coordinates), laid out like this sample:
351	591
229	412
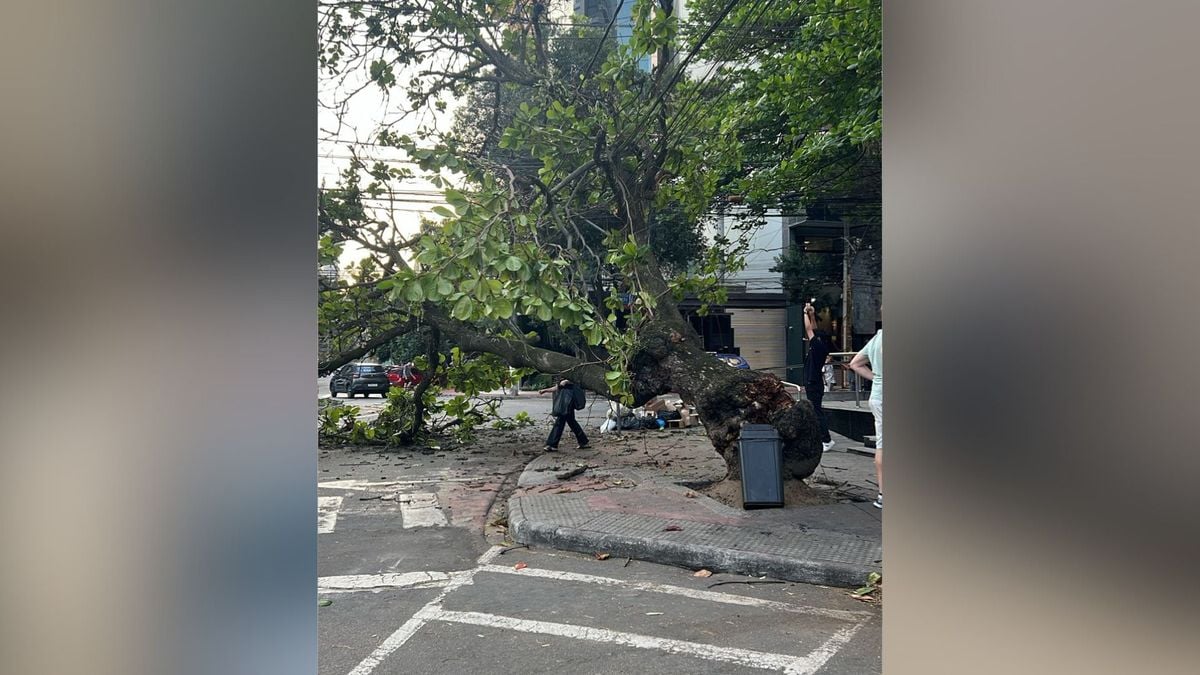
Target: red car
397	378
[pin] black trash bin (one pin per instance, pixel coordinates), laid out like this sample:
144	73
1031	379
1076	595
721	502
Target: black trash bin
761	454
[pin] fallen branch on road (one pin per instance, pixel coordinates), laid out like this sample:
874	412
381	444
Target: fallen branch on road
567	475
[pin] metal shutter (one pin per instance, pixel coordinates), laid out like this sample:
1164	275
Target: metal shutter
761	335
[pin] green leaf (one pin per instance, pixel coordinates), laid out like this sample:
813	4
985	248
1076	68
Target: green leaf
463	308
444	287
443	211
503	308
544	313
513	264
456	198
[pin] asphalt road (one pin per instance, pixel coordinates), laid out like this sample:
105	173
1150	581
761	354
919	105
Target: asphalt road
415	587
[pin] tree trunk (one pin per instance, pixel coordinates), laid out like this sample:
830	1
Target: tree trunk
726	398
431	356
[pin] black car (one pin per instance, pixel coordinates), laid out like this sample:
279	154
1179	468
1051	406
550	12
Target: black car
359	378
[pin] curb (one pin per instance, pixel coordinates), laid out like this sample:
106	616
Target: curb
691	556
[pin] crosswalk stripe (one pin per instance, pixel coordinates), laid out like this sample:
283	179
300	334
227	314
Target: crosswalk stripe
421	510
327	513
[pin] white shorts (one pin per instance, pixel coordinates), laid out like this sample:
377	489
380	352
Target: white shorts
877	411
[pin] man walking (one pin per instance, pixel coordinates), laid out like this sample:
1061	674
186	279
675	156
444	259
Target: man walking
567	399
869	364
814	370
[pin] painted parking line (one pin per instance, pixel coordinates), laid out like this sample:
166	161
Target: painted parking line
789	664
423	616
792	665
694	593
327	513
368	582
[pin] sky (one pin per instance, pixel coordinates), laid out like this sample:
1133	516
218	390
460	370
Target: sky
359	127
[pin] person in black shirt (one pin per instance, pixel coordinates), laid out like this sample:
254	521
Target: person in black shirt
567	399
819	347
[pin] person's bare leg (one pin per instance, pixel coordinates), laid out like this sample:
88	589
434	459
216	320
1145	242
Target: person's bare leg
879	468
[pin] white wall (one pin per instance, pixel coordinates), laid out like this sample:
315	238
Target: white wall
767	242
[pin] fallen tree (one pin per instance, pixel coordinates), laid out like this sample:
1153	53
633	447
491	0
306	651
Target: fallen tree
553	193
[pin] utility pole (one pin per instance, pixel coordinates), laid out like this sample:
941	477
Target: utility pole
846	346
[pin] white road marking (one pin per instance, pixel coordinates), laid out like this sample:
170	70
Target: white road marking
817	659
697	594
375	582
327	513
369	486
742	657
423	616
421	510
452	581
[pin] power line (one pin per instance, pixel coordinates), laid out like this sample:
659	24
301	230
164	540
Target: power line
599	46
673	125
683	113
658	99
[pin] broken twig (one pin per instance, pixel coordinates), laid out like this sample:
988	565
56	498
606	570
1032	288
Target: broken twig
756	581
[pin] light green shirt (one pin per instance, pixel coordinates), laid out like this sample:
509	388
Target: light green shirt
874	353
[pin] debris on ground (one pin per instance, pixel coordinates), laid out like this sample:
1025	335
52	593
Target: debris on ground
872	591
567	475
702	574
602	556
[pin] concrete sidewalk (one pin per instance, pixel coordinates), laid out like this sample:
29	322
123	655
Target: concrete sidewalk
627	498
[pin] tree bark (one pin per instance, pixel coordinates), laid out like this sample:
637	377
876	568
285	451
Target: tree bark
520	354
431	355
726	398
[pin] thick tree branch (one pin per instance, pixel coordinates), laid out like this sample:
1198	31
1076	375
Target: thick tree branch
520	354
577	173
326	367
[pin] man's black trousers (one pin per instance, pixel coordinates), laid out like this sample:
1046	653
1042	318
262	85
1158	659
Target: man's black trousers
815	393
562	421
